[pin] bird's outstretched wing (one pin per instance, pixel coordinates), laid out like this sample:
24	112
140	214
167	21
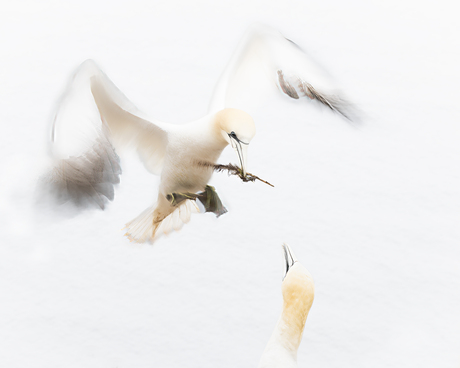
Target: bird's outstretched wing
93	119
265	59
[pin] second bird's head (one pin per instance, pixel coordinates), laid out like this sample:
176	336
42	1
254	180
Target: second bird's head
237	128
298	289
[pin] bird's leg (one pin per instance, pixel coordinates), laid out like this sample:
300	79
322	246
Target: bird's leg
211	201
208	198
177	198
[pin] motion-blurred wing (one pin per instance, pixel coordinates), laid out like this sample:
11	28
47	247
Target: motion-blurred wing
265	59
93	119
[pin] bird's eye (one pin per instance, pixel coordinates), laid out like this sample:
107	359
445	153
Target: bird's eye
233	136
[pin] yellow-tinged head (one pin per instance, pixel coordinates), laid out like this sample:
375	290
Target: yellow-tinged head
298	291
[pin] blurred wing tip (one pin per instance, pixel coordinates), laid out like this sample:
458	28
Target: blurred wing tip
286	87
85	181
345	109
342	107
296	88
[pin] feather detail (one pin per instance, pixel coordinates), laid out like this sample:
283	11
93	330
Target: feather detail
86	180
149	225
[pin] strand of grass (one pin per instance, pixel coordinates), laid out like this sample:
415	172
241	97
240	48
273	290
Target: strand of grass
234	170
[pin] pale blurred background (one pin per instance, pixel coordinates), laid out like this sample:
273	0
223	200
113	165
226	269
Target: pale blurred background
372	212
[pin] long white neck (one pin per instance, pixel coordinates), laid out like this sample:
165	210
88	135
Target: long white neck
281	350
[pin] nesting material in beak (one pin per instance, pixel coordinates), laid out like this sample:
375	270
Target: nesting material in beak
241	149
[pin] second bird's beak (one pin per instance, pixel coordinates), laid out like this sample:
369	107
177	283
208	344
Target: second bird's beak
241	150
289	257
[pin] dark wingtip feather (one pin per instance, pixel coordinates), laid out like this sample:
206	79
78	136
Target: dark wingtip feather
286	87
296	88
336	103
87	180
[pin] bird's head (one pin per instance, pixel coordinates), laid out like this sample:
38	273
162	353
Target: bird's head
298	291
237	128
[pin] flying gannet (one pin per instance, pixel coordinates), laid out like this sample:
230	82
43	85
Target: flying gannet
94	120
298	291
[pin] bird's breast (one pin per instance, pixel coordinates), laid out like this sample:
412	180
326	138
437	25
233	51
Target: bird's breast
184	169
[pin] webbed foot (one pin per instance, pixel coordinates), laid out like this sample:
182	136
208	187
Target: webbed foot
211	201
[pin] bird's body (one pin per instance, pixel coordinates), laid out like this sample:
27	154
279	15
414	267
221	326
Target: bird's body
95	122
190	149
298	291
192	143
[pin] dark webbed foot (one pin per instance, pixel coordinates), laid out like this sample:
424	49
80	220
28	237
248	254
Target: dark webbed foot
211	201
208	198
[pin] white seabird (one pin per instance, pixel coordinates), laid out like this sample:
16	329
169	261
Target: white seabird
94	119
298	291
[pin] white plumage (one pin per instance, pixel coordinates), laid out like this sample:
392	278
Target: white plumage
95	120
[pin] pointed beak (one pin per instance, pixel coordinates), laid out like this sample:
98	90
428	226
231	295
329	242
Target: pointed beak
289	257
241	150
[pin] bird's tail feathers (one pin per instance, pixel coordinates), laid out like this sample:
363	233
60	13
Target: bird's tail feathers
150	225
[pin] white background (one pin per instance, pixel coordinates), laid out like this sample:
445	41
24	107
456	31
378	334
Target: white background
372	212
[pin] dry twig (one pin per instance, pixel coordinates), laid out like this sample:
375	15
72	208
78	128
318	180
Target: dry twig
234	170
